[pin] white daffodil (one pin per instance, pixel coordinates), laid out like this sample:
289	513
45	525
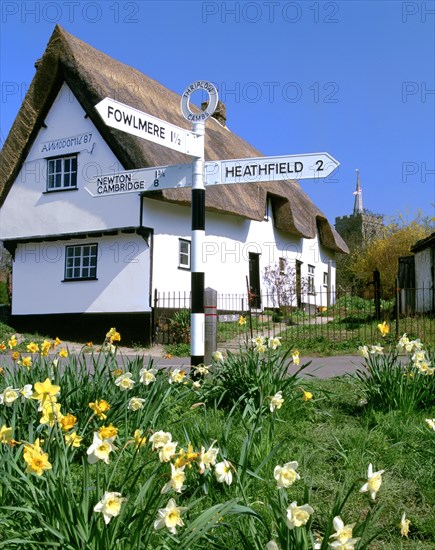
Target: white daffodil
286	475
27	391
8	396
373	483
176	483
222	471
135	403
100	449
404	525
109	505
124	382
170	517
343	532
276	401
176	376
431	423
159	439
207	459
217	356
147	376
296	516
364	351
168	451
274	343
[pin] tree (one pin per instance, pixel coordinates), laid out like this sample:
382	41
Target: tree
383	252
283	284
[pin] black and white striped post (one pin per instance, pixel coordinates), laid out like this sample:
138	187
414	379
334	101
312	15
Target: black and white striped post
197	319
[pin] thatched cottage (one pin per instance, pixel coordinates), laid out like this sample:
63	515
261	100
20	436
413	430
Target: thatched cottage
84	264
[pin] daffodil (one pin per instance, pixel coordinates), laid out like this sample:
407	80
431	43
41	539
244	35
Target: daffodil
32	347
364	351
37	462
100	449
159	439
307	395
73	439
276	401
295	357
286	475
63	352
383	328
139	439
185	458
109	505
108	432
343	532
147	376
201	369
50	413
176	483
242	321
9	395
113	336
45	348
135	404
68	422
404	525
25	361
15	356
431	423
56	342
176	376
274	343
207	459
45	391
12	342
373	483
296	516
222	471
170	517
5	434
100	408
376	350
124	382
168	451
217	356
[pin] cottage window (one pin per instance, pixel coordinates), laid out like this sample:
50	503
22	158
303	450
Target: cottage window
62	173
310	279
184	254
81	262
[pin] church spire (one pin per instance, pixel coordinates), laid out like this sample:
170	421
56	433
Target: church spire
358	204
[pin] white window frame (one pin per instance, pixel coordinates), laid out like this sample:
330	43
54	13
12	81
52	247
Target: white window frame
81	262
184	255
311	279
61	174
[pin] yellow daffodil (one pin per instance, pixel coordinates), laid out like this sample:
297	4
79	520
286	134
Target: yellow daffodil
2	346
139	439
63	352
286	475
37	462
56	342
50	413
68	422
296	516
100	407
5	434
108	432
383	328
12	342
113	336
170	517
307	395
45	348
109	505
374	481
45	391
73	439
176	483
15	356
295	357
25	361
242	321
404	525
185	458
32	347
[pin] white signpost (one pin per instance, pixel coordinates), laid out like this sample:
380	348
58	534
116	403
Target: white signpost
139	181
195	175
130	120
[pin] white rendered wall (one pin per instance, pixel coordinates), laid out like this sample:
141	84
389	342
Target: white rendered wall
225	251
122	283
29	211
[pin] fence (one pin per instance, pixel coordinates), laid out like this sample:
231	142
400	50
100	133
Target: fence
348	321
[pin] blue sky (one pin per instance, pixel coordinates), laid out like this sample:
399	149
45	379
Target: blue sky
352	78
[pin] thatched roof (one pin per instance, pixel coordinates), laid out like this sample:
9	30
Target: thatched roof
92	76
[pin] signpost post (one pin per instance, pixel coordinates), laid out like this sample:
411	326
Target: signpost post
198	175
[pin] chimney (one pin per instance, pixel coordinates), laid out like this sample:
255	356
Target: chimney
220	113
